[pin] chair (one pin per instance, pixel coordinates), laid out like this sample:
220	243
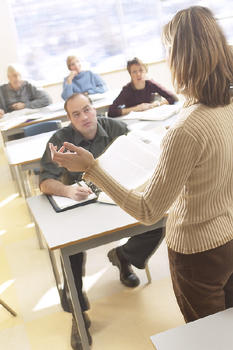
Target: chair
39	128
7	307
32	130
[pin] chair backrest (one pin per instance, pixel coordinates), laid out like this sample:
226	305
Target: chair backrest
39	128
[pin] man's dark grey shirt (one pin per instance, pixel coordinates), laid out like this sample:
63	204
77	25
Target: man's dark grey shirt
27	93
107	130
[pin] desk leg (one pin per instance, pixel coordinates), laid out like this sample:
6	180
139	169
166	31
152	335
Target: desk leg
12	171
74	297
37	229
20	180
148	274
55	269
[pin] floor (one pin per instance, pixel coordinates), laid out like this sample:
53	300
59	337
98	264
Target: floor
122	318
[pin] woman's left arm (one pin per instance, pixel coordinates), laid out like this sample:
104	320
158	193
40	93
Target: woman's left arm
178	158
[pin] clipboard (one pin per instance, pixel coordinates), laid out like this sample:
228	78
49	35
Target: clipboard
60	209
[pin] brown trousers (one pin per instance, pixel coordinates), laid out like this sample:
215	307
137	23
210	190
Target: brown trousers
203	282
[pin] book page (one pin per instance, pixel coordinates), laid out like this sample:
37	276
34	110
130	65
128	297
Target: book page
130	161
152	137
104	198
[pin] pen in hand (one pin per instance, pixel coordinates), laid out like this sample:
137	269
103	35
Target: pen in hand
84	188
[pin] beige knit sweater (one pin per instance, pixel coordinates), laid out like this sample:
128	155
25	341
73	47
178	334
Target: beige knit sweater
194	178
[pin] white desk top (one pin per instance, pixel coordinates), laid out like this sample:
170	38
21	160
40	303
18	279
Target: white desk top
27	149
65	228
15	120
209	333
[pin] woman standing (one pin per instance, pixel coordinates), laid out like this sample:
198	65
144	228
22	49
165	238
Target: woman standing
194	176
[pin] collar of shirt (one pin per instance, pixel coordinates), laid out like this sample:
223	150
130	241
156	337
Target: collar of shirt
21	87
80	75
138	90
78	137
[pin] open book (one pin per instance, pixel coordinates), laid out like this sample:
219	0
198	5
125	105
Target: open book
131	160
158	113
60	203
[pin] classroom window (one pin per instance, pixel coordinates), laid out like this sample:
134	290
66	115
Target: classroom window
104	34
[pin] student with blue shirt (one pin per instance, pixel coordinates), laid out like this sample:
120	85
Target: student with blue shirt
79	81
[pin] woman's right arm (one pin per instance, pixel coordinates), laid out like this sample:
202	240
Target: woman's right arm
178	158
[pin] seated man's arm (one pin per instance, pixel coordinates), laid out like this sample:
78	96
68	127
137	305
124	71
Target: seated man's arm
55	187
38	98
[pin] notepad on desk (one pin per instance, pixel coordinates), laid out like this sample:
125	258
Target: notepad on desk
60	203
155	114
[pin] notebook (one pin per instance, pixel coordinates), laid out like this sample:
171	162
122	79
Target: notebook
60	203
155	114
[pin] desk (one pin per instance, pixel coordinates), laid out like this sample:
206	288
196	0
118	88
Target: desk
102	104
212	332
72	231
13	125
24	154
14	122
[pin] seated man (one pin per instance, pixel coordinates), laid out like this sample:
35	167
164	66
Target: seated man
19	94
139	95
81	81
94	134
